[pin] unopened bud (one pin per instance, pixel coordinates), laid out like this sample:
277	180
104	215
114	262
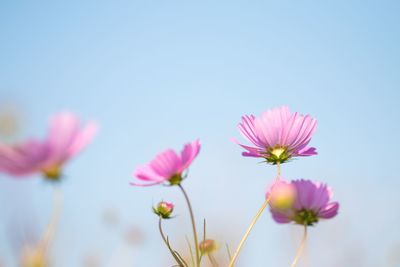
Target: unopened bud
208	246
164	209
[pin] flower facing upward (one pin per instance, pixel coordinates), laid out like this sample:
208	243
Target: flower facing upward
311	203
167	166
65	139
278	135
164	209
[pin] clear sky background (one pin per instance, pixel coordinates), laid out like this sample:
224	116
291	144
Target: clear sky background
157	74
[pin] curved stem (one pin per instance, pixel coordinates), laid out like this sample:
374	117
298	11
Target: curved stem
253	222
167	243
196	242
301	248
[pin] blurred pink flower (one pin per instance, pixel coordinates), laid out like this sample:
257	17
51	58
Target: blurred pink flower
311	203
66	138
167	166
278	135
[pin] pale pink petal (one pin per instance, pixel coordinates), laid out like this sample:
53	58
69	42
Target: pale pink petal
82	139
166	164
189	153
64	128
248	130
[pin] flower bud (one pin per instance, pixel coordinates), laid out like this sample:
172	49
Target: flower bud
208	246
283	195
164	209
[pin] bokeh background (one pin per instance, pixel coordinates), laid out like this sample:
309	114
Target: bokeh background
156	74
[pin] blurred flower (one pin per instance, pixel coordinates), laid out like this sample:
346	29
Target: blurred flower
34	257
283	195
208	246
311	203
65	139
278	135
167	166
164	209
10	119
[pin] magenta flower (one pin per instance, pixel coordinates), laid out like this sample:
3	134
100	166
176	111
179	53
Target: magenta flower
66	138
278	135
167	166
311	203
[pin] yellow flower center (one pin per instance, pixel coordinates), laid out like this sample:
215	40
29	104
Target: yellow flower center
52	173
278	151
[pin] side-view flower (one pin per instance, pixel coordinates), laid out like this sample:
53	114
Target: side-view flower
311	203
167	166
278	135
66	138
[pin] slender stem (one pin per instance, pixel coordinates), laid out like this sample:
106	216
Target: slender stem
212	260
278	176
196	242
54	218
253	222
301	248
190	250
167	243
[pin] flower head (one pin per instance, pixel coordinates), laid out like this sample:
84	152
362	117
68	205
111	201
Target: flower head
164	209
167	166
65	139
278	135
311	203
283	195
208	246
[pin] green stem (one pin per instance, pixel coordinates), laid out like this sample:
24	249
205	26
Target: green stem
196	242
168	245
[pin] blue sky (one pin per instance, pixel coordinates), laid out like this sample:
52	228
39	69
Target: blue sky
157	74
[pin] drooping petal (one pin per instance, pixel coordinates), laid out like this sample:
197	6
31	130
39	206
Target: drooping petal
22	159
329	211
280	217
251	151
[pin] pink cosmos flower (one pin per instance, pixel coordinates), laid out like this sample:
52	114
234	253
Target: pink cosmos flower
311	203
167	166
278	135
66	138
